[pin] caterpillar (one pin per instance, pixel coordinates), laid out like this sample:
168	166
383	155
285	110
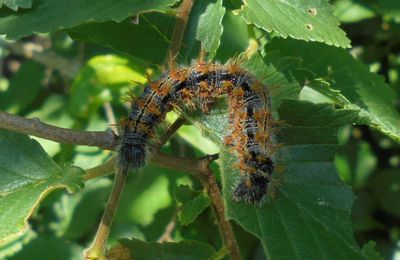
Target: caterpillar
198	86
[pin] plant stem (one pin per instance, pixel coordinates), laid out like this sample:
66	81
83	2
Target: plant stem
110	116
101	170
218	207
97	249
171	131
166	236
200	169
209	182
103	139
179	29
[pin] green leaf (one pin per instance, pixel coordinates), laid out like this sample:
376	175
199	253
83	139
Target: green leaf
183	193
49	247
148	194
191	209
193	203
300	19
278	74
72	221
9	247
50	16
390	8
190	45
102	75
15	4
369	252
348	11
325	91
27	176
148	205
148	40
356	163
387	190
185	249
362	213
309	218
192	134
355	86
21	92
235	37
210	28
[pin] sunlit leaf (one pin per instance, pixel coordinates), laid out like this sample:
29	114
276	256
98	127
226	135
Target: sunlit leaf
50	16
306	20
362	90
149	39
27	175
16	4
210	28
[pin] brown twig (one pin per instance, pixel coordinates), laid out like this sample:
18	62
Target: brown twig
226	230
107	168
170	131
103	139
200	169
166	236
179	29
110	116
36	52
98	247
207	178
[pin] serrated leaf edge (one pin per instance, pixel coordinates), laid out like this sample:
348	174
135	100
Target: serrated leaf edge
285	36
32	210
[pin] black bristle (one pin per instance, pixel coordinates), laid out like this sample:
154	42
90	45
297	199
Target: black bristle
132	157
252	188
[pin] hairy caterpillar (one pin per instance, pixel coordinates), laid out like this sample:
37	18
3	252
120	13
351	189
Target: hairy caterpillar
197	86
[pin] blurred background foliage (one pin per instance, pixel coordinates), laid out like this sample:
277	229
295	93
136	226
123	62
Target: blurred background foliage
78	82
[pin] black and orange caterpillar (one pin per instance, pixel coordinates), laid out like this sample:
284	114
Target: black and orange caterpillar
251	123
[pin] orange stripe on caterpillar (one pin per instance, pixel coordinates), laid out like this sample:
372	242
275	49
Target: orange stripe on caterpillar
198	86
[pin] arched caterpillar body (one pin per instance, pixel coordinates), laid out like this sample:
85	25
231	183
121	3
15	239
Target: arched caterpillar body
250	119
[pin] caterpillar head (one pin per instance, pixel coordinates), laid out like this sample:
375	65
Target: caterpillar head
252	188
131	156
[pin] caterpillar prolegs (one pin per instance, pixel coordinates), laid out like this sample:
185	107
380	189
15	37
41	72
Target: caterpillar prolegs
251	122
